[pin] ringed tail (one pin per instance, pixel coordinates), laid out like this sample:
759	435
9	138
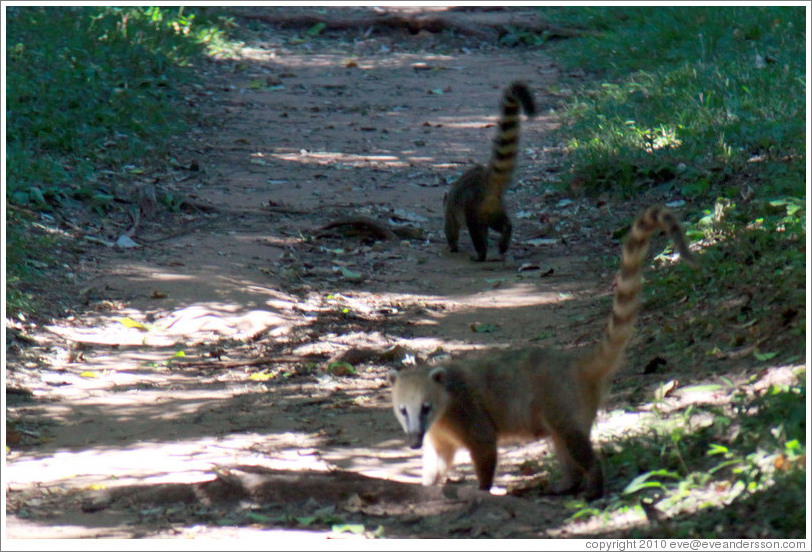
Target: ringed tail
626	304
505	144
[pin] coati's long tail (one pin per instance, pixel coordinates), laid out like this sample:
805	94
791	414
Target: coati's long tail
606	357
506	142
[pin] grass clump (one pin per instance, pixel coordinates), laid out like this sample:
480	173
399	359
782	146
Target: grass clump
93	100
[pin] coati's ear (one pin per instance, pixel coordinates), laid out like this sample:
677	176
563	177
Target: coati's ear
392	376
439	375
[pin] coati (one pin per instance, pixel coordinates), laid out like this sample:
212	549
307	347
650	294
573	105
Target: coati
477	198
528	394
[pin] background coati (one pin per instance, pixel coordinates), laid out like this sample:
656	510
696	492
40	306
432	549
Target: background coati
478	196
528	394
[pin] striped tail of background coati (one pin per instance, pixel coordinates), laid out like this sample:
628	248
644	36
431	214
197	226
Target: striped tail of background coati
528	394
477	198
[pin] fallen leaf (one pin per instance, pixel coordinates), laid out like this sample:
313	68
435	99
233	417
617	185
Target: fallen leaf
341	368
130	323
763	356
542	241
356	529
126	242
349	275
666	389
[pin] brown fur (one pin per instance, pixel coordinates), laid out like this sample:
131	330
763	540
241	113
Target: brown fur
477	198
528	394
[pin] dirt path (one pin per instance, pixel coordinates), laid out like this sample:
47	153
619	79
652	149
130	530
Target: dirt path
196	391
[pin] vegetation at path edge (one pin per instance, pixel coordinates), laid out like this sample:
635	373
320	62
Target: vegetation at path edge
707	105
93	100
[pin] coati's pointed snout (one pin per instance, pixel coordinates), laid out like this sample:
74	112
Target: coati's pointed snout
415	440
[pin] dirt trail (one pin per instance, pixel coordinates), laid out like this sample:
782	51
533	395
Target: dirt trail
219	414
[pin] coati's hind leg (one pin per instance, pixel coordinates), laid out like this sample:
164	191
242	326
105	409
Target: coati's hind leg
452	230
479	234
502	225
580	466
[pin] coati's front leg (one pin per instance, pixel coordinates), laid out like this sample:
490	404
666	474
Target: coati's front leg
438	458
481	442
484	459
478	229
452	230
502	225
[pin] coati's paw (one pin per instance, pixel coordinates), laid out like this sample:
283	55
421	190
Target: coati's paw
509	264
591	491
564	486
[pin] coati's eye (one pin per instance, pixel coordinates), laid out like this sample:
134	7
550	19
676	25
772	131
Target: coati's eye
403	411
425	408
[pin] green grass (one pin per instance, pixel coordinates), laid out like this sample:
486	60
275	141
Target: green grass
749	291
687	95
93	100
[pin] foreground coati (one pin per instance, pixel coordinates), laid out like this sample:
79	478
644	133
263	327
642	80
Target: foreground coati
531	393
477	198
